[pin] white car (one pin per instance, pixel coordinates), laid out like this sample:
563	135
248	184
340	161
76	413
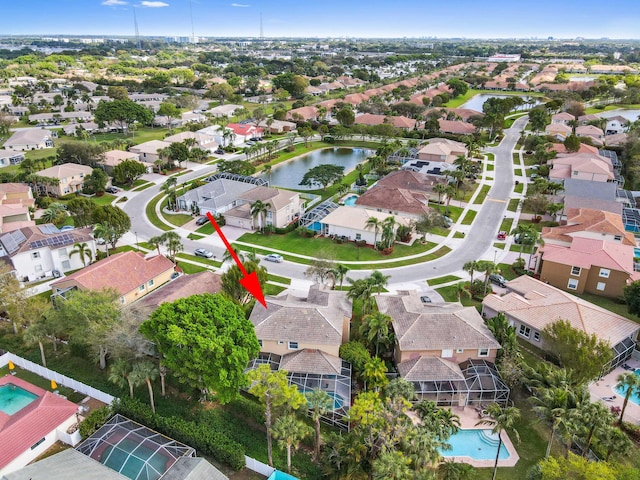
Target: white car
201	252
274	257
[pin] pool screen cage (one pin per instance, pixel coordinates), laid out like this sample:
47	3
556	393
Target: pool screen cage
479	385
338	386
133	449
621	353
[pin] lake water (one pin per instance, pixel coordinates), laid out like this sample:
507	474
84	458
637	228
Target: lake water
582	79
289	174
476	102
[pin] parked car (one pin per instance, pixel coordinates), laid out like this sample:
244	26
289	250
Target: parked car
425	299
497	279
111	190
201	252
219	152
202	221
274	257
66	228
255	139
502	235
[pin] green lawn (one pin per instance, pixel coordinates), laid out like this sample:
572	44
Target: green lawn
105	199
140	136
513	204
516	158
195	236
326	248
482	195
517	172
458	235
273	290
137	183
190	268
506	225
469	217
454	212
143	187
150	211
449	295
498	245
206	229
279	279
441	280
490	156
207	261
490	167
613	106
519	188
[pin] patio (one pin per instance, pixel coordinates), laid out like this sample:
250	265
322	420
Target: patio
603	390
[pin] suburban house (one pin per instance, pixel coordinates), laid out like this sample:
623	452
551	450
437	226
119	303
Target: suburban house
589	194
584	148
582	166
371	119
129	273
9	157
442	150
72	128
203	141
113	158
30	139
563	118
15	201
351	224
616	140
559	131
590	131
148	151
282	208
445	350
456	127
277	126
40	251
588	223
463	114
616	125
70	175
302	336
590	117
226	110
589	265
244	131
303	114
219	194
530	305
30	431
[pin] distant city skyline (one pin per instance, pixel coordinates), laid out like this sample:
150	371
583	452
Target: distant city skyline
326	18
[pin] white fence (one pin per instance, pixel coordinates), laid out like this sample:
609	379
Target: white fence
59	378
259	467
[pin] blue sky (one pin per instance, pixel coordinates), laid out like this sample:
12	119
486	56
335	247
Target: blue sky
328	18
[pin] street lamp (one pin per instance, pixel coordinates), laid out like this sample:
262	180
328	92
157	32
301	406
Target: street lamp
495	253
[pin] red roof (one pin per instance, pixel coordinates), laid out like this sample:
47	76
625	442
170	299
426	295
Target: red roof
20	431
245	129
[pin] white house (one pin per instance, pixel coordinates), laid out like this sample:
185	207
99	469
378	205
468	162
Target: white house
37	251
148	151
9	157
617	124
30	139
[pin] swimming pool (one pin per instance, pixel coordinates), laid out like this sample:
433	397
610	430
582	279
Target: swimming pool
350	201
338	401
636	252
13	398
479	444
635	398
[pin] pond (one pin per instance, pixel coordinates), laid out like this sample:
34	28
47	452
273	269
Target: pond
476	102
290	173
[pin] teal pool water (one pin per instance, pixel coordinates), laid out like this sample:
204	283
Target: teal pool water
145	463
278	475
338	401
13	398
635	398
636	252
479	444
350	201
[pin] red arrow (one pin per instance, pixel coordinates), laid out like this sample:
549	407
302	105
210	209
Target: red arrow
249	280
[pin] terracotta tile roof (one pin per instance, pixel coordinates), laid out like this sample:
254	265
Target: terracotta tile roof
589	130
395	199
311	361
584	148
562	117
307	113
181	287
318	319
14	188
558	128
24	428
589	220
589	252
276	197
411	180
420	327
425	369
33	234
616	139
65	170
123	272
538	304
452	126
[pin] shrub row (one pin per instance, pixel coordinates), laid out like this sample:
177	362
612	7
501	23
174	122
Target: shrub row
94	420
208	437
245	407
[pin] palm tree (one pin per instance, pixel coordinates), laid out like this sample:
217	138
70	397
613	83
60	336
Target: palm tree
594	416
259	209
56	213
37	332
552	404
470	267
374	222
461	291
440	189
107	233
378	281
146	371
173	241
612	439
340	271
501	418
319	403
449	191
360	289
120	375
376	329
631	382
487	268
289	432
83	250
452	470
527	234
391	465
389	231
169	189
156	241
267	170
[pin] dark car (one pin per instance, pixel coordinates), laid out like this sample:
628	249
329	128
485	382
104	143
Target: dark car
255	139
202	221
497	279
111	190
219	152
425	299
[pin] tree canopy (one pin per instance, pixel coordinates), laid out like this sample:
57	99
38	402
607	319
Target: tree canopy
128	171
124	112
206	341
324	175
115	218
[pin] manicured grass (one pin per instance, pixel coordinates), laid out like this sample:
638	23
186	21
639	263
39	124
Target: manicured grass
516	158
279	279
179	174
458	235
207	261
482	195
519	188
273	290
139	136
490	167
488	178
206	229
190	268
146	245
513	204
143	187
540	225
490	156
326	248
610	304
449	295
195	236
454	212
467	191
137	183
506	225
105	199
517	172
498	245
150	211
469	217
516	248
441	280
506	271
443	232
613	106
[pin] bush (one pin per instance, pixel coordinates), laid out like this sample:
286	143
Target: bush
356	354
44	202
476	289
305	232
518	266
94	421
245	407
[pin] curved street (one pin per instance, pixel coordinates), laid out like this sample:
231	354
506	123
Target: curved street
476	244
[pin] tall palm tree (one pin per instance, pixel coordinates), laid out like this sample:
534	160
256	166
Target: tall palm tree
449	191
452	470
552	404
37	332
487	268
389	231
612	439
374	222
440	189
56	213
376	328
528	235
120	375
319	403
593	416
146	371
83	250
340	271
461	291
360	289
105	232
378	281
156	242
631	382
173	241
470	267
267	170
259	209
289	432
501	418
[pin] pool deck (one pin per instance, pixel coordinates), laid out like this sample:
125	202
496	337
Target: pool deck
605	388
469	417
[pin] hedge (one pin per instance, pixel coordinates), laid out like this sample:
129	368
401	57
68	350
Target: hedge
208	437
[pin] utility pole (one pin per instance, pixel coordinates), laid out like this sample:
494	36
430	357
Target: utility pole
135	23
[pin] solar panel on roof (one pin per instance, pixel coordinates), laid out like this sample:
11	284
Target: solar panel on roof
48	229
12	241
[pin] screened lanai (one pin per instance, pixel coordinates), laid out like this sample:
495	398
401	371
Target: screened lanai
484	384
621	353
133	450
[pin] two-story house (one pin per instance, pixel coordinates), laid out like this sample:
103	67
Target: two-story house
282	208
71	178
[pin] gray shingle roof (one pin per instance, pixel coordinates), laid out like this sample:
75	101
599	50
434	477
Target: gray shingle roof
423	369
311	361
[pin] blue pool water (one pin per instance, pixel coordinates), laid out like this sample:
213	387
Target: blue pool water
636	252
338	401
350	201
635	398
13	398
316	227
278	475
479	444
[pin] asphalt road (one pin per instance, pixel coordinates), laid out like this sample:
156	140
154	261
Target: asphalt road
476	244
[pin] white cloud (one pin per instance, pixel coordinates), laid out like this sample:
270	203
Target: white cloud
111	3
239	5
154	4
